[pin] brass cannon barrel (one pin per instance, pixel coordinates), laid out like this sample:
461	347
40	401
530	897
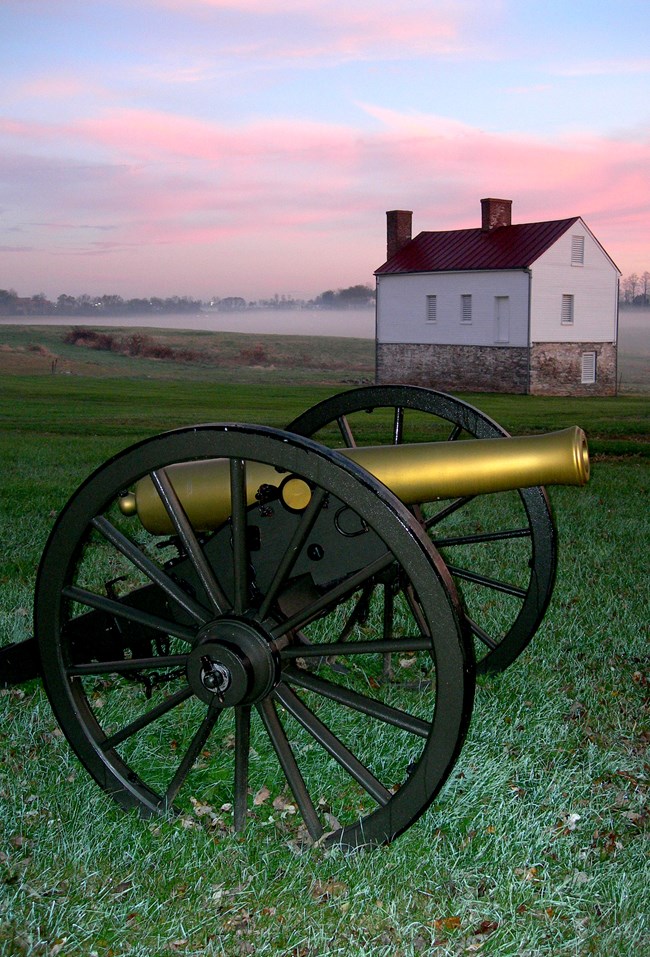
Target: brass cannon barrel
416	473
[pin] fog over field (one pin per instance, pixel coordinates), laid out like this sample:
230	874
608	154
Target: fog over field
346	323
634	329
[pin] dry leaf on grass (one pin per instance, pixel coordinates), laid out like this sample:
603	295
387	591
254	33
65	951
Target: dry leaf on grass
447	923
282	803
324	890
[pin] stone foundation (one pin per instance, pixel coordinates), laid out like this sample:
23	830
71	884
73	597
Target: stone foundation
453	368
556	368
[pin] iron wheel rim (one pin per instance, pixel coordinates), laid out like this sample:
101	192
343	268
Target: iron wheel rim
493	652
59	597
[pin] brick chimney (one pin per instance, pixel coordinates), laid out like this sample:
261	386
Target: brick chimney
495	213
398	233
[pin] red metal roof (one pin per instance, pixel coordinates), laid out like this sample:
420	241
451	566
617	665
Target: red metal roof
505	247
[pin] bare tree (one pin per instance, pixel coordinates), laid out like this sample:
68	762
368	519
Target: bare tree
645	285
629	287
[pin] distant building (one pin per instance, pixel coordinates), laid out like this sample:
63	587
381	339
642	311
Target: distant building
530	308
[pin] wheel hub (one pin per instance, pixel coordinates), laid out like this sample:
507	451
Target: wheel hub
232	663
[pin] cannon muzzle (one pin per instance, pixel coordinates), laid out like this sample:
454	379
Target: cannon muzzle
416	473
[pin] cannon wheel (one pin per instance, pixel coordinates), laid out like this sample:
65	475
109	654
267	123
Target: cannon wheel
134	656
501	549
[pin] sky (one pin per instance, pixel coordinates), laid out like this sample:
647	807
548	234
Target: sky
252	147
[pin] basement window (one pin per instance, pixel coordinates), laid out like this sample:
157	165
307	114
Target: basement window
432	308
465	308
588	376
567	310
577	250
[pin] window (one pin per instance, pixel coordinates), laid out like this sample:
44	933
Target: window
577	250
465	308
567	310
588	368
432	308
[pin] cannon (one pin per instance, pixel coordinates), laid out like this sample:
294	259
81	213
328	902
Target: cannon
229	610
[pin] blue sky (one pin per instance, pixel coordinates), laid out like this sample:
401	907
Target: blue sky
208	147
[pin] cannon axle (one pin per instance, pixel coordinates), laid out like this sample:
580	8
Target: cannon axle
233	663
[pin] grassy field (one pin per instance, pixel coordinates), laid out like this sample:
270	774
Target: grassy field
537	845
233	357
176	354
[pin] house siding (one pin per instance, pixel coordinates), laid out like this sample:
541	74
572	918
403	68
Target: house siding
465	368
402	307
594	287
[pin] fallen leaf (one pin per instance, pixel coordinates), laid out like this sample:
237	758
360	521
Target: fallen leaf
469	837
238	920
202	810
18	841
323	890
447	923
486	927
282	803
332	823
568	823
262	795
407	662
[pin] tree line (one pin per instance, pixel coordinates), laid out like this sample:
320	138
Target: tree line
635	290
11	304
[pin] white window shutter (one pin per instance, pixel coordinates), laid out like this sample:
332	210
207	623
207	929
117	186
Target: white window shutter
588	368
577	250
567	310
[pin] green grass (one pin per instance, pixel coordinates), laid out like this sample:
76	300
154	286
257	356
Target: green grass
536	846
121	411
238	358
202	356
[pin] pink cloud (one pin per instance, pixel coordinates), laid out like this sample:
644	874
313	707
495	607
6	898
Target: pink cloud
194	191
579	172
54	87
611	67
150	135
344	30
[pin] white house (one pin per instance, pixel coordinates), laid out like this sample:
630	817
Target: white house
525	308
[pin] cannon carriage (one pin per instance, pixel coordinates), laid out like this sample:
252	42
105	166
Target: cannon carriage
226	609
